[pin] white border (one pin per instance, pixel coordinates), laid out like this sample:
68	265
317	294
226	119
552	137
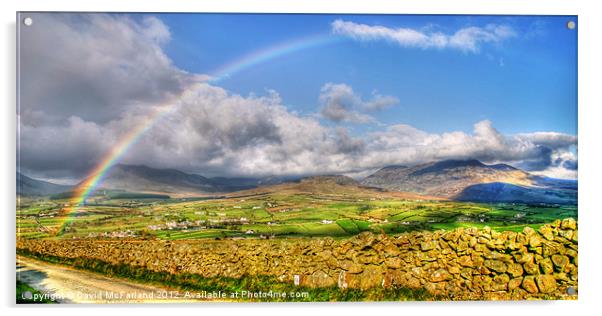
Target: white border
589	148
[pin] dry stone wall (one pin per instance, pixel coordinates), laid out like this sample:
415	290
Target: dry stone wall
464	264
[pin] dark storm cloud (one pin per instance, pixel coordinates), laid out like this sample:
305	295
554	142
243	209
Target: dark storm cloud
540	160
93	66
570	164
69	150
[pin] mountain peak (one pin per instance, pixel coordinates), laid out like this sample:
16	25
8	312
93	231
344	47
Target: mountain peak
445	178
150	170
503	166
449	164
394	167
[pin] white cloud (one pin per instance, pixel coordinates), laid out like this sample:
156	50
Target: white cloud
154	29
552	140
380	102
468	39
557	172
277	141
341	104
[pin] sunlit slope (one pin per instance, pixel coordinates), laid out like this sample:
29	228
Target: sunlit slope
334	185
472	180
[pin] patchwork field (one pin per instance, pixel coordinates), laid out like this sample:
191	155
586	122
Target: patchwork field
278	214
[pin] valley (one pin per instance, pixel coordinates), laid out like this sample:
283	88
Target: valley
302	209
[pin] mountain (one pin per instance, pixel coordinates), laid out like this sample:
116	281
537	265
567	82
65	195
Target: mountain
330	180
472	180
339	186
444	178
145	179
505	192
140	178
464	180
27	186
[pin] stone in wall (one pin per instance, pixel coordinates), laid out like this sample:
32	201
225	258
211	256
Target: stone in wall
463	264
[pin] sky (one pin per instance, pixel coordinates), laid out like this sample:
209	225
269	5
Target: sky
265	94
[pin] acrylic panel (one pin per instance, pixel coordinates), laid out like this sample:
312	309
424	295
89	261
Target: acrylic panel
204	157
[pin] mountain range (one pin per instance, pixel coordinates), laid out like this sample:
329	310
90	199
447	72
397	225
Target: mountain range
139	178
342	187
472	180
464	180
445	178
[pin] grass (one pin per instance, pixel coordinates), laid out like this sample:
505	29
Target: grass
352	226
195	282
280	214
23	292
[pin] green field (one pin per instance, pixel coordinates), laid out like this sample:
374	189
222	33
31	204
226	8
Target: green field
269	215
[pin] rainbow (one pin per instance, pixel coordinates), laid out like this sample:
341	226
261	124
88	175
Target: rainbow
270	53
97	174
95	177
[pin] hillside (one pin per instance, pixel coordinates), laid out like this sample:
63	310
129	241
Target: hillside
32	187
505	192
444	178
333	185
472	180
329	180
465	180
139	178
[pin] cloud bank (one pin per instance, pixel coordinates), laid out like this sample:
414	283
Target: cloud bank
468	39
94	66
116	73
218	133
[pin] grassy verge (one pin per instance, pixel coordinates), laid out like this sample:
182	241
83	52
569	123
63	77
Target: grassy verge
195	282
26	292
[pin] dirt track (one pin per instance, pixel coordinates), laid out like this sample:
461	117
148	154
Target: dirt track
75	286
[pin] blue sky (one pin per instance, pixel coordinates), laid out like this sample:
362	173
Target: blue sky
524	84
